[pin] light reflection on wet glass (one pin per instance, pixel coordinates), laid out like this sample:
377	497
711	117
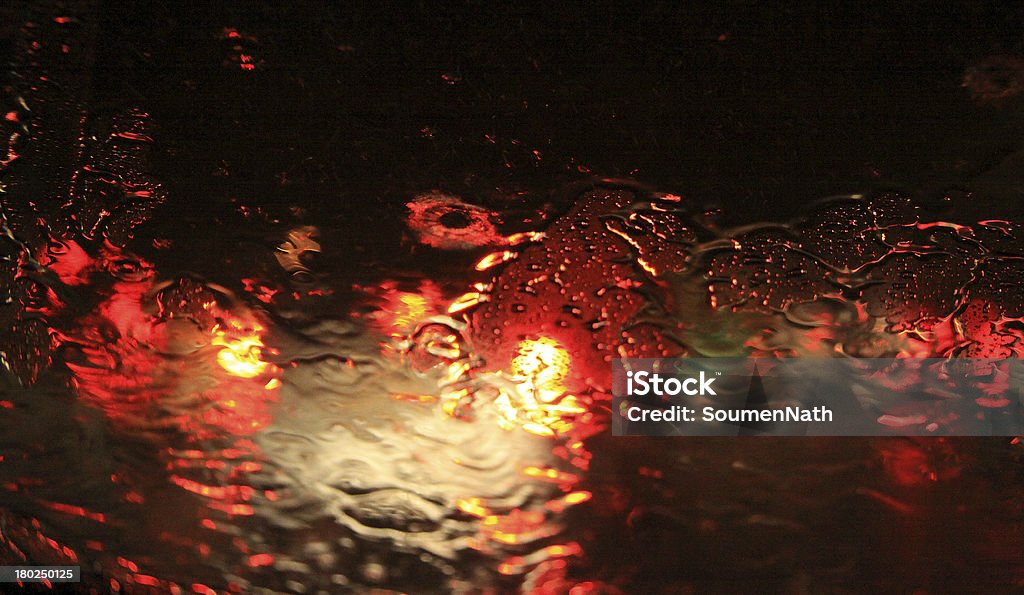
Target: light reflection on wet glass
277	421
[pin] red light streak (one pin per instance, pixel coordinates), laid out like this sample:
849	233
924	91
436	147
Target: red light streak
258	560
147	580
75	510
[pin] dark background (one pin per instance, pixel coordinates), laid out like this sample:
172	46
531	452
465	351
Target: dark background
350	109
753	106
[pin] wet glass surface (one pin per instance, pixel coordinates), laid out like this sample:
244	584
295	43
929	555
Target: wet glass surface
313	298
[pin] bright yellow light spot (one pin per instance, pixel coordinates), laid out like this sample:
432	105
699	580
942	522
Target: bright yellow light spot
552	475
569	549
521	238
494	259
577	497
542	361
545	364
465	302
502	537
456	370
572	499
240	356
539	429
409	309
473	506
536	401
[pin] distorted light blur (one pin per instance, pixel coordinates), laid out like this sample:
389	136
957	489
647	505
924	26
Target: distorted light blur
536	400
545	364
399	310
469	299
413	307
540	404
494	259
241	354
